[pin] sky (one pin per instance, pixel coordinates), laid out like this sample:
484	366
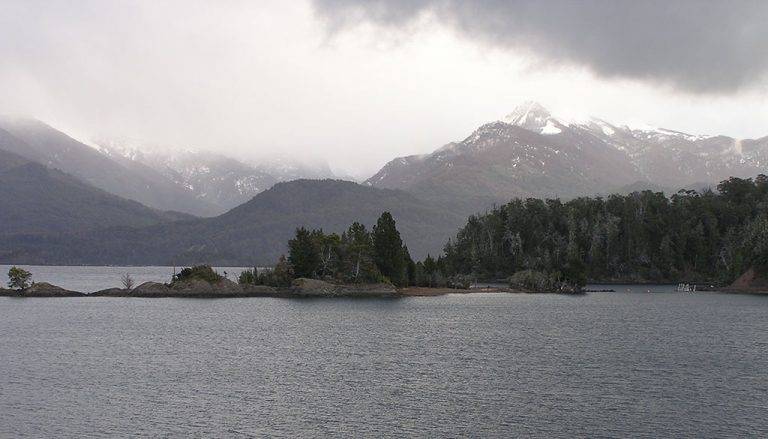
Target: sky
357	83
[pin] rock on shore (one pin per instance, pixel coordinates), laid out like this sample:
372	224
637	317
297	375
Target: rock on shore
196	288
4	292
44	289
750	282
303	287
190	288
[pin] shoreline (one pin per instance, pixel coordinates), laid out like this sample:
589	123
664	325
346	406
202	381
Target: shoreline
304	288
314	290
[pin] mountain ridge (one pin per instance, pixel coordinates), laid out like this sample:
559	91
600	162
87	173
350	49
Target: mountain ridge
39	200
41	143
522	155
256	232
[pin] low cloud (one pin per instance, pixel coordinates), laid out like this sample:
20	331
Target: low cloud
702	47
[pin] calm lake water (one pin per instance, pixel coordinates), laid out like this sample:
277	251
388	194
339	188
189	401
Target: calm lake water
624	364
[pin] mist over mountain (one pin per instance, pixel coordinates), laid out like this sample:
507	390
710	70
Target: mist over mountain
213	178
43	144
529	153
37	200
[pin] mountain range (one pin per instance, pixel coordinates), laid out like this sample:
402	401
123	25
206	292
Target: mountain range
253	233
37	200
531	153
214	179
65	202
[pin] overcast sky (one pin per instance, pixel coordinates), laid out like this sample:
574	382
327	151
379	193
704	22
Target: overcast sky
360	82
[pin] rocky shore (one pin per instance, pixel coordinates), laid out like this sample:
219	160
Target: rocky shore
751	282
196	288
300	288
41	289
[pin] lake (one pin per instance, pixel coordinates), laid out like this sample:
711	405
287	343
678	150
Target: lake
624	364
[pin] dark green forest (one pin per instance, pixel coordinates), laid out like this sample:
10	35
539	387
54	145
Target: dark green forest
645	236
550	245
355	256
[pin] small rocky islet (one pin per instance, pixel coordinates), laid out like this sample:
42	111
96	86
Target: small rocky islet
198	288
226	288
202	281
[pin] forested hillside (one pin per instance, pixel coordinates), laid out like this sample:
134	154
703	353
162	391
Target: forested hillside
644	236
253	233
54	149
36	200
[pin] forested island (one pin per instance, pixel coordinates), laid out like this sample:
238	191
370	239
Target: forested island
533	245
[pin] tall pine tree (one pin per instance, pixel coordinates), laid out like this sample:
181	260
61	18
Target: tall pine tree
388	249
304	253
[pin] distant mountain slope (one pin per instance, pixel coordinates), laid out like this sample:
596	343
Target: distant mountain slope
500	161
40	143
532	153
253	233
212	178
38	200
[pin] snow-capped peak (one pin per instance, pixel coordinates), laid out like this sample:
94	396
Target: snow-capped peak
533	116
528	115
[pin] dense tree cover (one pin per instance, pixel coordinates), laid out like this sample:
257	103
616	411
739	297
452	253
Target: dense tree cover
199	272
355	256
280	276
390	256
712	236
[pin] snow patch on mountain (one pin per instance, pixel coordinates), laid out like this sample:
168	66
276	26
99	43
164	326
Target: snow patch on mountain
550	128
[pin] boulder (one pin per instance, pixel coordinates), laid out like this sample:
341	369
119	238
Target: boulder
201	288
151	289
8	293
258	290
112	292
44	289
303	287
750	282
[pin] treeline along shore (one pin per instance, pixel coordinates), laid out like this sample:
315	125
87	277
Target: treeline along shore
713	238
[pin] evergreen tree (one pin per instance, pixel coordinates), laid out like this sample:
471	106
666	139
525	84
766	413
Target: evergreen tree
283	272
359	263
388	249
430	270
304	253
410	267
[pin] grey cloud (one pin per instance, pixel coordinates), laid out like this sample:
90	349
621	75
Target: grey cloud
696	46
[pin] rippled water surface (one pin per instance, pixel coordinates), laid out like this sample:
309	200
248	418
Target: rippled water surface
624	364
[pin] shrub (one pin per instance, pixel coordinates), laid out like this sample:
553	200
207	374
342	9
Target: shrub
247	277
127	281
18	278
542	282
460	281
199	272
535	281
